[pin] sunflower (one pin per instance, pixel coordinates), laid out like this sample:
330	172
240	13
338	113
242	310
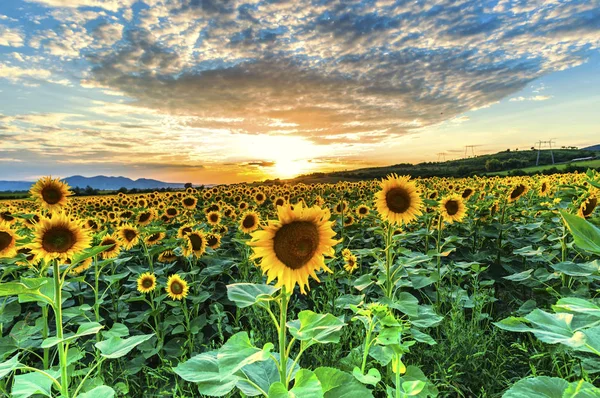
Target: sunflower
249	221
587	208
467	192
196	244
362	211
184	230
51	193
213	218
279	201
398	201
350	264
213	240
7	217
168	256
177	288
154	238
146	283
59	238
294	247
114	247
145	217
544	188
8	240
517	191
128	235
171	212
29	256
189	202
348	220
453	209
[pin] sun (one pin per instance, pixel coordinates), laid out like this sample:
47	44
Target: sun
286	168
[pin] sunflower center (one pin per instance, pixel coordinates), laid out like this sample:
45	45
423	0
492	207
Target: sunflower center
129	234
588	208
467	192
544	187
518	191
176	287
188	201
171	211
186	230
7	216
398	200
108	242
362	210
296	243
196	241
211	241
451	207
58	240
248	222
153	237
214	218
144	217
5	240
147	283
51	195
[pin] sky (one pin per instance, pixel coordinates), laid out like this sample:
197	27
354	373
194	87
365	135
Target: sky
225	91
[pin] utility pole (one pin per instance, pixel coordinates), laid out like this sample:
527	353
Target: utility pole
541	143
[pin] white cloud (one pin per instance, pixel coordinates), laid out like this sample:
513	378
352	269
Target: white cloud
11	37
532	98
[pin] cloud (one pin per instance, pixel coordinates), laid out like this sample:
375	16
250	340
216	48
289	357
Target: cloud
531	98
110	5
15	73
11	37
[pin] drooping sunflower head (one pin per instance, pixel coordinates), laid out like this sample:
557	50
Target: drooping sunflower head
453	209
114	247
544	188
249	221
146	283
168	256
154	239
293	248
196	244
177	288
81	267
517	191
398	201
8	240
128	235
184	230
213	240
59	238
587	207
51	193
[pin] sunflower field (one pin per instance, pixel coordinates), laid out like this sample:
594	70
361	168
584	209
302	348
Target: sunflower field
476	287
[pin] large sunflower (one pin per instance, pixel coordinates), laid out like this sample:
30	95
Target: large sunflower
517	191
196	244
453	209
177	288
51	193
294	247
587	208
129	236
8	241
59	238
398	201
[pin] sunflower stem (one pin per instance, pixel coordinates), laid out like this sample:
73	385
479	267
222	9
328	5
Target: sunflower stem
388	260
439	260
62	354
283	305
45	332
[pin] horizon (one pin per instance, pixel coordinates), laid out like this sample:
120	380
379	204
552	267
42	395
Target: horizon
248	90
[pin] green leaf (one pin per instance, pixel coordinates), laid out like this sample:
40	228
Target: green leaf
238	352
306	385
521	276
27	287
574	269
98	392
247	294
203	370
363	282
28	384
262	374
336	383
413	373
321	328
84	329
577	305
585	234
117	347
372	377
538	387
405	302
9	311
412	388
8	366
422	337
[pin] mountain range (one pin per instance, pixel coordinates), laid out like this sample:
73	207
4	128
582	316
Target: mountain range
97	182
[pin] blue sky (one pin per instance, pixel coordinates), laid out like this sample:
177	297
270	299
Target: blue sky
236	90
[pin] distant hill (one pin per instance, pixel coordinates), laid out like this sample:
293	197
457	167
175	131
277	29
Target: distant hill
592	148
506	161
98	182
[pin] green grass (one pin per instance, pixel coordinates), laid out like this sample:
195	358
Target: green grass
587	163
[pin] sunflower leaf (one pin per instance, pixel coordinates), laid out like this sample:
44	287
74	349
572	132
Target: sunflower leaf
117	347
247	294
238	352
585	234
320	328
203	370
